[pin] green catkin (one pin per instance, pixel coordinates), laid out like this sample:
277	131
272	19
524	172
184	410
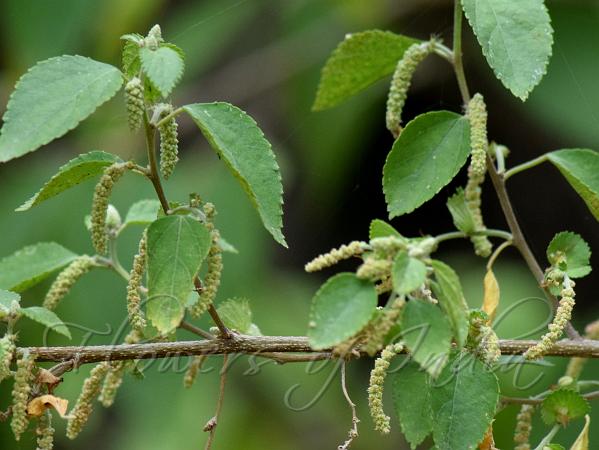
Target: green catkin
401	81
45	432
375	388
562	316
100	203
66	279
331	258
112	382
20	394
169	143
136	317
212	278
134	100
374	269
523	427
83	408
483	340
192	371
7	347
378	331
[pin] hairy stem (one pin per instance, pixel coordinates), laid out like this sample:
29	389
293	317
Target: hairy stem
461	235
524	166
457	52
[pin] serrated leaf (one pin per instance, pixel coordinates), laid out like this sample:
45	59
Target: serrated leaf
491	295
130	60
427	334
516	39
51	99
47	318
464	401
356	63
76	171
32	264
379	228
460	213
7	298
163	66
237	139
570	253
581	168
236	314
412	401
177	245
136	38
407	273
142	212
563	405
341	307
582	441
427	155
451	298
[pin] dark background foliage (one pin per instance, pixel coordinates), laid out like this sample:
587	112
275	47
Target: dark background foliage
265	56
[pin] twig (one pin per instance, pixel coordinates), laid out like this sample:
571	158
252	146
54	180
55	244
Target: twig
210	427
195	330
353	432
536	401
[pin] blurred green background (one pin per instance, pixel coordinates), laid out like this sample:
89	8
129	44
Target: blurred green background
265	56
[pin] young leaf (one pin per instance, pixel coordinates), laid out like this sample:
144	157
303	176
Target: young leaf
177	245
341	307
427	155
516	39
449	292
463	402
142	212
460	213
130	57
236	314
51	99
32	264
563	405
427	334
491	295
236	138
407	273
46	318
380	228
582	441
356	63
163	66
412	400
7	298
77	170
581	168
570	253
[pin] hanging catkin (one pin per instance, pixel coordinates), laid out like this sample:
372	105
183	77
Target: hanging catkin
134	100
66	279
136	317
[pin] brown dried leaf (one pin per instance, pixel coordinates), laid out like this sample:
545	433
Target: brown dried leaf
38	405
47	377
491	295
488	443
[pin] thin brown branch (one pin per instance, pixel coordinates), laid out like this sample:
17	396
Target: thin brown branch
184	325
353	432
210	427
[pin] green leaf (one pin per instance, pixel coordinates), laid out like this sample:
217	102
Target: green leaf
427	155
236	314
77	170
236	139
163	66
7	298
463	402
407	273
46	318
460	213
341	307
177	245
581	168
226	246
131	62
516	39
356	63
563	405
412	400
380	228
142	212
51	99
32	264
451	298
553	447
427	334
569	252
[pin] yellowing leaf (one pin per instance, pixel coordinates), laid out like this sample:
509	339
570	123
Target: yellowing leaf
47	377
582	441
488	443
491	295
38	405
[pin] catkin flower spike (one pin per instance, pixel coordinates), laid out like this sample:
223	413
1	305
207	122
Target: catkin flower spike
212	278
20	394
83	408
112	382
136	316
7	345
401	81
376	333
563	314
45	432
169	142
134	101
375	388
100	203
66	279
523	427
331	258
